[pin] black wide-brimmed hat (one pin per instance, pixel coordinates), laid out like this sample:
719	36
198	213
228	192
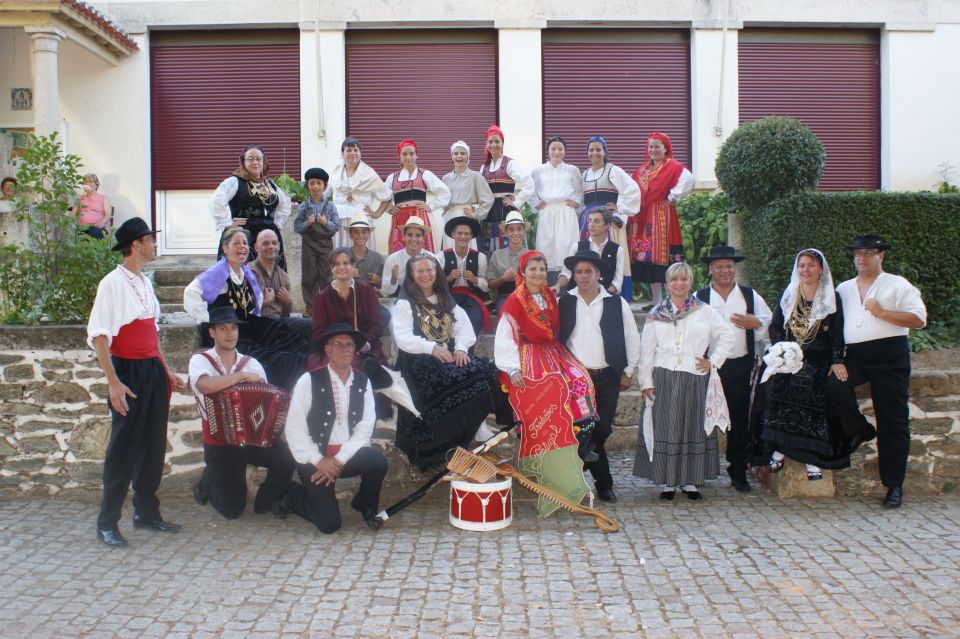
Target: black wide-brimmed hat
340	328
869	242
473	223
132	229
223	315
722	253
588	256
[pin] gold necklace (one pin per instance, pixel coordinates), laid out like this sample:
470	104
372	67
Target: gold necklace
804	329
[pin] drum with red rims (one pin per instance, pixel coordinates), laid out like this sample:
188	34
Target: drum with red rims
481	507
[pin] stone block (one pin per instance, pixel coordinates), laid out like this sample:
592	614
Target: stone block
6	448
934	383
54	364
178	343
63	413
86	472
947	447
931	426
38	445
100	390
35	425
792	483
187	459
49	337
6	359
62	393
57	376
193	438
917	448
97	408
24	464
11	391
89	439
184	412
938	404
89	374
18	372
18	408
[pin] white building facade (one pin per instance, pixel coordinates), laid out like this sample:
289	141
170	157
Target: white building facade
161	123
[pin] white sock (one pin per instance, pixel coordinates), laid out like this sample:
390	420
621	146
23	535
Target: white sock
813	469
484	432
669	489
690	488
777	456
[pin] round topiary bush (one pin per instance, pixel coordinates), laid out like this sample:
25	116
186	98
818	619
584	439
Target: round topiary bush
769	158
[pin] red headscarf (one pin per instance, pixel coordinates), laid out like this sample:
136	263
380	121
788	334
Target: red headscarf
404	143
536	325
492	130
656	135
655	185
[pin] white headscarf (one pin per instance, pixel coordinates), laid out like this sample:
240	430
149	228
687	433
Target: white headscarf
824	300
463	145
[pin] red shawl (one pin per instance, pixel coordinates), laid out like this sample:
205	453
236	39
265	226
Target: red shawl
536	325
655	182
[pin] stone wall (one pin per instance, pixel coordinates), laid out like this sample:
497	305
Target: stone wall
54	422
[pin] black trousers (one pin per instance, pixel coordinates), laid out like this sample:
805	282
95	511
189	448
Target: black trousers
318	504
735	378
606	383
225	476
472	309
885	365
138	442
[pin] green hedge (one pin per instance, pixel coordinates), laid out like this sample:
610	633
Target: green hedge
923	227
703	222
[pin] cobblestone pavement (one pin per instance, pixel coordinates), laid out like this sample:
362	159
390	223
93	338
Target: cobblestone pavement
730	566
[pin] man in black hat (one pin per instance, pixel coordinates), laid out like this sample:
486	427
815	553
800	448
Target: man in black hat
878	311
466	271
599	218
223	482
600	331
750	317
329	426
122	331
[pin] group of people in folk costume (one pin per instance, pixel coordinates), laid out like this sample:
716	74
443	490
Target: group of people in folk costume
560	320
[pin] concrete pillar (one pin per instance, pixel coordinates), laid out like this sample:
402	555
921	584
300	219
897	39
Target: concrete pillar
46	78
714	96
520	87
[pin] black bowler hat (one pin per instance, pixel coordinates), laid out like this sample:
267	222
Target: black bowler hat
588	256
868	242
340	328
722	253
132	229
473	223
223	315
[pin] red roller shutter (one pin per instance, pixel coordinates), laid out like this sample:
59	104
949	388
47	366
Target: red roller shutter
435	88
622	85
830	81
212	94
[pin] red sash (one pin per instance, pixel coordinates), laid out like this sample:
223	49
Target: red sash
333	449
465	290
137	340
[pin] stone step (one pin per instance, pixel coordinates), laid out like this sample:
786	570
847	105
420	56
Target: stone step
175	277
170	294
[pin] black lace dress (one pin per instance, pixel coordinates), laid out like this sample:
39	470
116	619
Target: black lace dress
797	420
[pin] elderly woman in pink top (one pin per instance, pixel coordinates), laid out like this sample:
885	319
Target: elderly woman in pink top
94	209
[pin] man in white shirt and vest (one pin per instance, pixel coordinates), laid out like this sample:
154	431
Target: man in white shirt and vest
749	316
878	311
395	266
329	426
600	331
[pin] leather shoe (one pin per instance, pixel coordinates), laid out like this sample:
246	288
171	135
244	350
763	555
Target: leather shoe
668	495
156	523
281	508
739	481
112	538
606	494
894	497
200	494
693	495
369	515
861	438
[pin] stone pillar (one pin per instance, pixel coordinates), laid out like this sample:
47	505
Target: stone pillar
520	81
46	78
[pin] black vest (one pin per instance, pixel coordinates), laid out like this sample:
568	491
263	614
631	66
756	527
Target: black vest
704	295
322	413
609	255
245	205
472	265
611	327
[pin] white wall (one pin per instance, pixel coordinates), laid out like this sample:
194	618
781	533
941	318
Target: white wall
920	97
15	71
107	112
520	80
706	52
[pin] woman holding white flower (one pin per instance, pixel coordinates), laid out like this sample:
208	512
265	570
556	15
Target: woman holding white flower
682	340
796	422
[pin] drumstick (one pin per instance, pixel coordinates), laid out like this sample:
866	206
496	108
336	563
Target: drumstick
385	514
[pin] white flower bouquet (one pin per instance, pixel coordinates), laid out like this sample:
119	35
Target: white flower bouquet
782	357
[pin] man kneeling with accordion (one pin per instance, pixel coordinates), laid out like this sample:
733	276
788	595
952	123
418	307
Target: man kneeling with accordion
242	417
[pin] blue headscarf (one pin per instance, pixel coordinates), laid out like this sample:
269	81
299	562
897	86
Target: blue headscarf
603	143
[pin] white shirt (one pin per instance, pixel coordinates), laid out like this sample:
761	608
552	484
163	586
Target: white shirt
400	258
194	304
220	204
122	297
468	189
462	267
676	347
683	187
200	366
402	323
628	191
435	187
302	446
523	183
893	293
554	184
586	340
617	281
736	304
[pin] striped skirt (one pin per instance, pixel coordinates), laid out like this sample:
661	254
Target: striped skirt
682	452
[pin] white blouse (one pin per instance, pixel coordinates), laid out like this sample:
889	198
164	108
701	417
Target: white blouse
523	182
628	191
220	204
557	183
469	189
683	187
122	298
435	187
350	201
463	335
676	346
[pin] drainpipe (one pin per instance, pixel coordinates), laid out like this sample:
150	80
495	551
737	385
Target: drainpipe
321	128
718	129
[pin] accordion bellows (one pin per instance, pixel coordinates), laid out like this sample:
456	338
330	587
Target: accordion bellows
247	414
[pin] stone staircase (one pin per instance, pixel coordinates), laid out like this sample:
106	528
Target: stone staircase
172	274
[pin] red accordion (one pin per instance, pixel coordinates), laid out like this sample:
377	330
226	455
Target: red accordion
247	414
